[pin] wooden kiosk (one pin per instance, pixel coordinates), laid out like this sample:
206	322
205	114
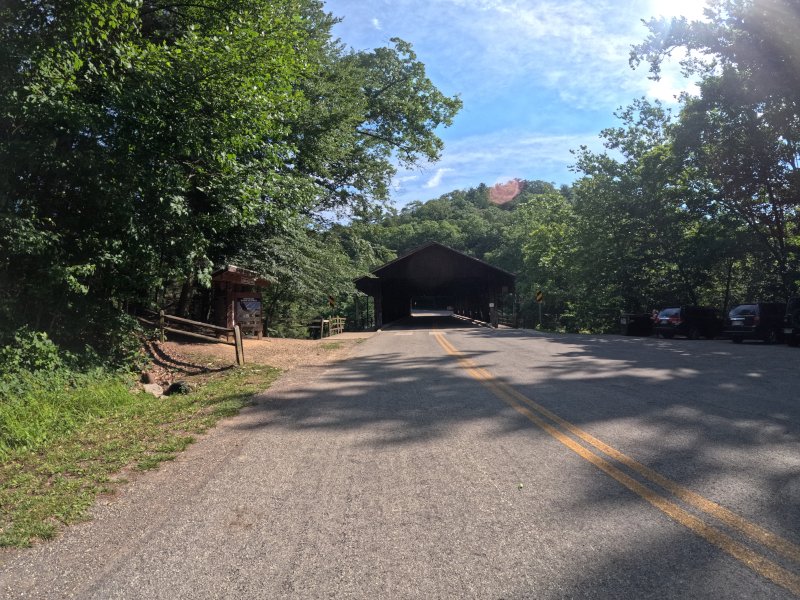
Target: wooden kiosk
237	299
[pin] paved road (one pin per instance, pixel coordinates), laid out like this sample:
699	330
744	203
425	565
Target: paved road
450	461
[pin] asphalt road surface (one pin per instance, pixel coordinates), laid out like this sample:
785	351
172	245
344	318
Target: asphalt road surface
444	460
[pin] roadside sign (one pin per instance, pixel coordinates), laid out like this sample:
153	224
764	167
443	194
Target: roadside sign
539	297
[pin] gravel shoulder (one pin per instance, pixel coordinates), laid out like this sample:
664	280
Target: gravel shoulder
192	361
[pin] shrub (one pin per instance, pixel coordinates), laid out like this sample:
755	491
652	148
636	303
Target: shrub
30	351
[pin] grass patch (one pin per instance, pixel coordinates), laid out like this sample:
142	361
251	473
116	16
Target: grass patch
51	478
331	345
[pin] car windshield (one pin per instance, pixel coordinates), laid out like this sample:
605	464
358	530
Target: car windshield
669	312
745	310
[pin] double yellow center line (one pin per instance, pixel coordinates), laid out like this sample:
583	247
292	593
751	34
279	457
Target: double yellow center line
561	429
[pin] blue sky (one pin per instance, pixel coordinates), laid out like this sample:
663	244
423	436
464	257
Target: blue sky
537	78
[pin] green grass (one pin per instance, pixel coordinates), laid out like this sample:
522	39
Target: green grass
38	407
331	345
77	449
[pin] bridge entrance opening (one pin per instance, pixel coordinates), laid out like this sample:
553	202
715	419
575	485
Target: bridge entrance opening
432	306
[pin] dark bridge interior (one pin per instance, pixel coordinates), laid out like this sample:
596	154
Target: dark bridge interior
434	276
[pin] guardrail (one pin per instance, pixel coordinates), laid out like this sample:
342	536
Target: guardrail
164	318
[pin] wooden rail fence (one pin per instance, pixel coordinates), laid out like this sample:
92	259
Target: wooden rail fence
507	319
334	325
234	331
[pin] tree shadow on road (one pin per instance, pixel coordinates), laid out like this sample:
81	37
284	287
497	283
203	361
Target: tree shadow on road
720	419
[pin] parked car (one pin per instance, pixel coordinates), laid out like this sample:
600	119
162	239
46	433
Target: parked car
636	324
791	322
689	321
756	321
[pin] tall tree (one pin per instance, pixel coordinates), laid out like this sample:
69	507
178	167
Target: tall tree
642	241
741	134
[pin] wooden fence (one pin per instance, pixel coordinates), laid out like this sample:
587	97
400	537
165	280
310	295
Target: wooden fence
164	319
334	326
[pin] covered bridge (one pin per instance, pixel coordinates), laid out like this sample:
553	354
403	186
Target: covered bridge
435	277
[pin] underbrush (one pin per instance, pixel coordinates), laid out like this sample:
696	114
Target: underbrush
45	393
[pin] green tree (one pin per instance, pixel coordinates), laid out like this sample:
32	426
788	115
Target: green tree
644	235
133	135
144	142
306	266
538	244
741	133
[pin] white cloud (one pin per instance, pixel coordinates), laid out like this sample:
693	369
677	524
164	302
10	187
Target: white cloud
497	157
400	182
579	49
691	9
526	67
670	85
436	180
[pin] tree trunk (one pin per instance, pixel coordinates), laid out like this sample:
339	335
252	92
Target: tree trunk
727	288
185	299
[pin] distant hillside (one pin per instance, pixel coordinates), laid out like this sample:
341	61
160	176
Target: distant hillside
476	221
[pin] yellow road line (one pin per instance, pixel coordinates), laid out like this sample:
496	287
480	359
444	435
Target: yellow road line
730	518
763	536
744	554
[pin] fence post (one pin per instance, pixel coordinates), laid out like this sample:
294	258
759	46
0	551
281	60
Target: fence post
161	325
237	338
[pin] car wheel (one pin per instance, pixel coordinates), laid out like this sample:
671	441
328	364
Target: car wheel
694	333
737	339
792	340
667	336
772	337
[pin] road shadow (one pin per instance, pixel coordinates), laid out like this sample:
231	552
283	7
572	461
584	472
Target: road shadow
706	414
162	357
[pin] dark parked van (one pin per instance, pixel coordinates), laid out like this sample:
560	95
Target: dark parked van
689	321
756	321
791	322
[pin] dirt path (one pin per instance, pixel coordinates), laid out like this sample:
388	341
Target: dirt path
286	354
188	360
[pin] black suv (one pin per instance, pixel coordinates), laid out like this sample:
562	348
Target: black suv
791	322
756	321
690	321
